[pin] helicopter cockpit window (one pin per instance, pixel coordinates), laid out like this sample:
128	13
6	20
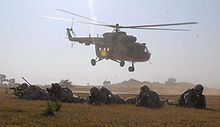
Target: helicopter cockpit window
146	50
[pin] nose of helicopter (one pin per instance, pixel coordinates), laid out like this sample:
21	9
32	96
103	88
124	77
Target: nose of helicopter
147	54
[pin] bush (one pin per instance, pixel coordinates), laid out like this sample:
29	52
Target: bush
52	107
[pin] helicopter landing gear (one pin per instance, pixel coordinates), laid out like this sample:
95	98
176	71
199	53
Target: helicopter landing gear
122	63
131	68
94	61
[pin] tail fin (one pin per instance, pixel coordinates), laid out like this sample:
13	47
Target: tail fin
70	33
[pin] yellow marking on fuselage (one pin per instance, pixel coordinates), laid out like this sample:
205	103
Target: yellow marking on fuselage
103	53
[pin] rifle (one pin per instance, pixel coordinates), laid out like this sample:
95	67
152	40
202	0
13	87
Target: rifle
11	88
26	81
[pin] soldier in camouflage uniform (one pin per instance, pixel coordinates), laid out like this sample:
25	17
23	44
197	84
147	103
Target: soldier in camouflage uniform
56	92
193	98
34	93
148	98
31	92
21	87
95	96
103	96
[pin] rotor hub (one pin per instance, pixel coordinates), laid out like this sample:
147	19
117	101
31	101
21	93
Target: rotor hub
117	27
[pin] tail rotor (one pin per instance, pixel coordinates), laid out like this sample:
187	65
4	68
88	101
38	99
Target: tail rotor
71	34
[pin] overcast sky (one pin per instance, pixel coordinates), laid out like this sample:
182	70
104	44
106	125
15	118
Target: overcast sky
37	48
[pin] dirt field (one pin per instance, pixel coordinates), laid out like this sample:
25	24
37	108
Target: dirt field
15	112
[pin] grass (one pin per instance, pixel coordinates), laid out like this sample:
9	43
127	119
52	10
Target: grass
52	107
16	112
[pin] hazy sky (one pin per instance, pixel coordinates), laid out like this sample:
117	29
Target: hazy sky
37	48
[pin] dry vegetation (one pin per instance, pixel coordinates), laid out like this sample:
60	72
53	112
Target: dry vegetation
133	86
15	112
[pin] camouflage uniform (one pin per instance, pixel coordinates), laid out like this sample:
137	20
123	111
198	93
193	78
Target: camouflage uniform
62	94
103	96
54	91
115	99
95	96
193	98
31	92
22	87
148	98
34	93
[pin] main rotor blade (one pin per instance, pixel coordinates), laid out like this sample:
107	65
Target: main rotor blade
143	27
71	20
156	25
159	29
80	16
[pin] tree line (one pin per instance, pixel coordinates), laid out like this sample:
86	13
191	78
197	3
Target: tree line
5	81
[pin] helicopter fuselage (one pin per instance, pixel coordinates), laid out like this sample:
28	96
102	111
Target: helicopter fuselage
122	48
116	46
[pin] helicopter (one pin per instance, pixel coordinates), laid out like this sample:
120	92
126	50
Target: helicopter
116	45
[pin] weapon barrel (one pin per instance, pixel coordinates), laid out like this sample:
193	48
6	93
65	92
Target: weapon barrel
12	88
26	81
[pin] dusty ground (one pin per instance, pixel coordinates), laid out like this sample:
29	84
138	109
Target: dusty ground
15	112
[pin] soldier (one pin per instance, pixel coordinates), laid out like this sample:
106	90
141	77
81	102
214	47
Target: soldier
19	91
103	96
62	94
115	99
193	98
34	93
31	92
106	95
98	97
54	91
148	98
23	86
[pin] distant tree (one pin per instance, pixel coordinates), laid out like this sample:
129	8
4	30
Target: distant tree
106	82
171	81
2	78
11	81
65	82
5	81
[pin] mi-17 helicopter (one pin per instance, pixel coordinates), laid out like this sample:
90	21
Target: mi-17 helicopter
116	45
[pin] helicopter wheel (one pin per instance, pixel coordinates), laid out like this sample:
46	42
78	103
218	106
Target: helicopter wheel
93	62
131	69
122	63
